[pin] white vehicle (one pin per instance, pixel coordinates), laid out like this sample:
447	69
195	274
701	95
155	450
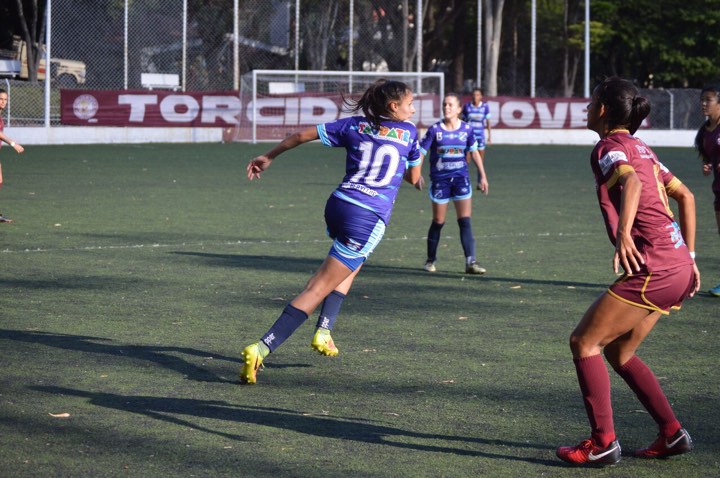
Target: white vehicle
13	63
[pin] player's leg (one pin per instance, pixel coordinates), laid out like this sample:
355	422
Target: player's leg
461	195
607	319
665	289
672	438
463	208
357	232
716	290
2	218
322	340
438	192
331	273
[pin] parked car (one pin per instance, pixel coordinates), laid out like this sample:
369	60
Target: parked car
13	64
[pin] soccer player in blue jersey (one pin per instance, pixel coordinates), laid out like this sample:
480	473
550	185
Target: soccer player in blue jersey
477	113
448	144
381	150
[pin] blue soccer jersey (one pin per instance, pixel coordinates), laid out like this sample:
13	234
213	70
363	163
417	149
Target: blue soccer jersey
446	150
476	116
376	160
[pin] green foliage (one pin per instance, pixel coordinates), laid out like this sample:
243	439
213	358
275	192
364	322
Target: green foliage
659	42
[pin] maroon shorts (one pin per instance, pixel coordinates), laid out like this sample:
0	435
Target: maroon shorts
659	291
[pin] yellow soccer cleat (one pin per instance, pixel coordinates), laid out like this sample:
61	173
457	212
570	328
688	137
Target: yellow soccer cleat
252	361
323	343
474	268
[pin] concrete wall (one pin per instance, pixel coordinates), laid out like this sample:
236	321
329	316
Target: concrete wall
93	135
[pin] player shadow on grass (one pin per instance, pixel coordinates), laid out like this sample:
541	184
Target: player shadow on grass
160	355
307	265
324	426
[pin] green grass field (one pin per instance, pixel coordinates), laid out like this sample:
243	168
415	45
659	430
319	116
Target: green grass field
134	275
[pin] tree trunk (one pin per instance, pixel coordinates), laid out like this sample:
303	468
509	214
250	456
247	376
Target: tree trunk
458	42
493	13
319	30
567	85
31	44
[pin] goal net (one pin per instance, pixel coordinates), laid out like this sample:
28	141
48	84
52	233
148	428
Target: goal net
277	103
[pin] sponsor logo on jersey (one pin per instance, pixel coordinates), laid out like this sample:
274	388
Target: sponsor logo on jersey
450	165
644	151
451	151
395	134
359	187
609	160
675	234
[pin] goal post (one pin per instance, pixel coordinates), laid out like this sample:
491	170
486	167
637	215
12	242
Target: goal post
277	103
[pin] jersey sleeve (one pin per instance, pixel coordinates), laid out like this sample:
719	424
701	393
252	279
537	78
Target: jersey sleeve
426	141
611	163
471	144
464	112
332	133
413	158
669	180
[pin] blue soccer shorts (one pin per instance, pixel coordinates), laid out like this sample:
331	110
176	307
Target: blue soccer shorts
356	231
442	191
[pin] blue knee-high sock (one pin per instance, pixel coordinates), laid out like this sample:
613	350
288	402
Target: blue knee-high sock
290	319
433	240
467	239
330	310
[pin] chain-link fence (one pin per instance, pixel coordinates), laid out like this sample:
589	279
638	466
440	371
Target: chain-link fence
208	45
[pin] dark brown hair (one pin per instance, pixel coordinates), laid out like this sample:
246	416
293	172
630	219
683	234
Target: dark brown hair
625	109
375	102
701	131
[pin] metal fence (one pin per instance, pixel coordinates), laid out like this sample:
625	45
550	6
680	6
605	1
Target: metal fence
209	45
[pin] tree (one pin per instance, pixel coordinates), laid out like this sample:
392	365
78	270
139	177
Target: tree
318	22
492	20
675	44
31	22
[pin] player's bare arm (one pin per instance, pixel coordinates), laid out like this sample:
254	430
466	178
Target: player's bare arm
626	254
262	162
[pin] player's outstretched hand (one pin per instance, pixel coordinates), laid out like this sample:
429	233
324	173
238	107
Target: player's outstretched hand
18	148
420	184
256	166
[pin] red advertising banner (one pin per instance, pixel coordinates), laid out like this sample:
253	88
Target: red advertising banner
148	108
228	109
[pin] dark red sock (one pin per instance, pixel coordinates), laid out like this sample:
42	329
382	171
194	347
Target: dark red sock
595	387
647	388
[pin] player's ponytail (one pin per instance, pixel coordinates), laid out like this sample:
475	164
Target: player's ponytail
640	110
375	102
625	109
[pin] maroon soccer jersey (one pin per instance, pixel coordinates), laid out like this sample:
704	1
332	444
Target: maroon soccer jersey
654	232
711	148
711	145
